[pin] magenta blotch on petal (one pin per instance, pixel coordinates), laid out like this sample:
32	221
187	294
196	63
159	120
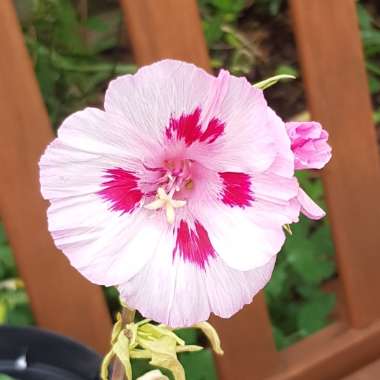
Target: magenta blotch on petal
121	189
193	245
236	190
189	128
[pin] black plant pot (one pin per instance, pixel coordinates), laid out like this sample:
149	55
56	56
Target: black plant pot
28	353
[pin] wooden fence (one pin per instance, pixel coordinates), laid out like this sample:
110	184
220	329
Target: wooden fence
332	62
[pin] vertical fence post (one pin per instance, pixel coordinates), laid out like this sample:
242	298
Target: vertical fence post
172	29
332	62
61	299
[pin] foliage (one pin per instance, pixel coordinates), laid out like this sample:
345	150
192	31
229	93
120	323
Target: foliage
297	305
370	31
14	305
73	55
228	47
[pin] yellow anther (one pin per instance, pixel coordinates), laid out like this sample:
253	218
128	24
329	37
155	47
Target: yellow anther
189	184
287	229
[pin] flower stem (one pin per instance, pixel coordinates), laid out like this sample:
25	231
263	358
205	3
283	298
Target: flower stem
118	373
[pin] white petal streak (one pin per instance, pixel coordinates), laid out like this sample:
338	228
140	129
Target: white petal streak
104	246
67	171
246	144
241	241
93	131
180	294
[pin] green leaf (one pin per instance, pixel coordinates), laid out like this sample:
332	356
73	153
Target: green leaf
365	19
229	6
199	365
313	315
20	316
7	264
374	84
322	239
278	283
97	24
279	337
190	335
213	30
3	238
376	116
308	263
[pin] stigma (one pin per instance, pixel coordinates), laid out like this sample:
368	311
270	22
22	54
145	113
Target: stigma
165	201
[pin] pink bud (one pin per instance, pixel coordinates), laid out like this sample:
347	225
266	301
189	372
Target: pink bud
309	144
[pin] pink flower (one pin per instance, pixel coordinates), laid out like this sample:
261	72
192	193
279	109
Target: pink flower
309	144
177	193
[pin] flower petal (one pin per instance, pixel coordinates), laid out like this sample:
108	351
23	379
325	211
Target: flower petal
106	247
156	93
284	162
95	131
247	236
102	241
246	144
180	294
309	207
241	239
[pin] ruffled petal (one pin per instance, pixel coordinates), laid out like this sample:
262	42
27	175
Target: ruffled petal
246	144
95	131
245	220
220	117
229	290
156	94
243	241
106	247
283	164
179	293
309	207
90	216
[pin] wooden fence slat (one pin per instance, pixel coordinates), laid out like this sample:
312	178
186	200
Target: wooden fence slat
331	353
336	85
172	29
61	299
165	29
247	340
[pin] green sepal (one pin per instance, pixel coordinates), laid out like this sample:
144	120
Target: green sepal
266	83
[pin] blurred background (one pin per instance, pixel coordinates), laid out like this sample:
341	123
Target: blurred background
77	46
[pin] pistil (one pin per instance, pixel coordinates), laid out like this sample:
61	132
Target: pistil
166	201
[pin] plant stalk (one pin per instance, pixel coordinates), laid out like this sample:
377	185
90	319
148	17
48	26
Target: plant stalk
118	373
